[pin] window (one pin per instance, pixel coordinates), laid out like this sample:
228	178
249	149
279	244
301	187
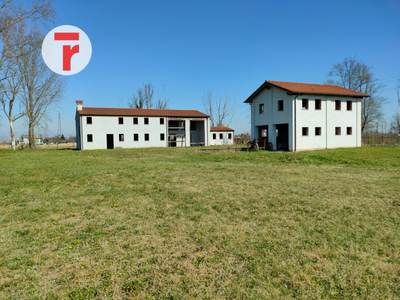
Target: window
120	120
90	138
135	137
280	105
261	108
317	104
89	120
146	137
146	121
317	130
305	131
214	136
229	136
121	137
349	105
162	137
349	130
304	104
221	136
264	133
161	121
193	126
135	121
337	131
337	104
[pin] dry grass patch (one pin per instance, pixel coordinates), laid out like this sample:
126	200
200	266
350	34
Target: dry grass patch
184	223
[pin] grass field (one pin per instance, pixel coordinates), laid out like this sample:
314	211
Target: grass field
189	223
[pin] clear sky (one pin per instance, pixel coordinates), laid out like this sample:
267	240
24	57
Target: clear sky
230	47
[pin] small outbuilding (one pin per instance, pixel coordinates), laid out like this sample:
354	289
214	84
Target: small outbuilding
221	136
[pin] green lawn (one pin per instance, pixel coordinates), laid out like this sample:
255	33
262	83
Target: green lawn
166	223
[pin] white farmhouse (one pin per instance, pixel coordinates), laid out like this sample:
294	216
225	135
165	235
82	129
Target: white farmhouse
109	128
301	116
221	136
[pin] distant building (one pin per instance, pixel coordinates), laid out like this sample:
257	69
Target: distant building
221	136
109	128
300	116
24	140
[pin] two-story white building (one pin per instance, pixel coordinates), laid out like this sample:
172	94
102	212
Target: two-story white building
301	116
109	128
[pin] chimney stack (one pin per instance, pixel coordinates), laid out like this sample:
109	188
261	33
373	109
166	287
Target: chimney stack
79	104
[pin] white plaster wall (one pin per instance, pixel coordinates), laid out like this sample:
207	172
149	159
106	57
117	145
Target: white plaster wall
327	118
103	125
271	115
224	141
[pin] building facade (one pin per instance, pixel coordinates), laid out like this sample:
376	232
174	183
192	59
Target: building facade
299	116
221	136
109	128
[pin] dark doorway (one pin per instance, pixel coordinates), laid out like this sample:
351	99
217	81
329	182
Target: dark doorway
282	137
110	141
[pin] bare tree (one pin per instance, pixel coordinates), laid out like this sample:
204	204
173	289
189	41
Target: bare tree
13	41
41	88
12	13
144	98
219	108
162	101
355	75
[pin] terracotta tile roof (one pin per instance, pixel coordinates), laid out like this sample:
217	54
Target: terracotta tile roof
221	129
101	111
308	88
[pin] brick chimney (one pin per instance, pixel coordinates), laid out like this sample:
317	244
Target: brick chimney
79	104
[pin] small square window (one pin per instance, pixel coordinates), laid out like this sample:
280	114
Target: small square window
317	104
349	105
120	120
337	130
146	137
349	130
135	137
280	105
162	137
229	136
261	108
121	137
221	136
135	121
214	136
90	138
338	104
146	121
89	120
304	104
317	130
305	131
161	121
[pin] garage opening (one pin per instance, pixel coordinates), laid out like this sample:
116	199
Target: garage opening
282	137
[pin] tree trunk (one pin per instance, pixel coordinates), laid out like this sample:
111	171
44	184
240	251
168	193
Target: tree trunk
32	142
12	134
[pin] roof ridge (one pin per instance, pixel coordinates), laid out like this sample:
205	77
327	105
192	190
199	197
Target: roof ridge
306	83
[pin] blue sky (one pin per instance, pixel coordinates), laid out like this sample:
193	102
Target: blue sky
230	47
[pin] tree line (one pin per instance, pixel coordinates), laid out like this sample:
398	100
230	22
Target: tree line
26	84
